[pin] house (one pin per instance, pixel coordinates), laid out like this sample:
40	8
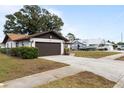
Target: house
91	44
106	46
77	44
48	42
120	46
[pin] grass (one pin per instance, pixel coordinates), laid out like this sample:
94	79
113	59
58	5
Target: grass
120	58
93	54
12	68
80	80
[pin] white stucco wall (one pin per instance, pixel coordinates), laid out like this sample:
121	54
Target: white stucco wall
24	43
10	44
110	48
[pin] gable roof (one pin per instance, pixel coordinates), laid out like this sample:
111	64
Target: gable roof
54	32
19	37
16	36
13	37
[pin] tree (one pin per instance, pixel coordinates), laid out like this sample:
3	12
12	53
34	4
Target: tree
71	37
109	41
32	19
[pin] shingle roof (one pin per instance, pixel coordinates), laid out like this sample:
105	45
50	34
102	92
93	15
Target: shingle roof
18	37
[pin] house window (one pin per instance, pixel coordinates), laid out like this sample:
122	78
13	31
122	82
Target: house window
31	42
22	44
11	45
17	44
7	45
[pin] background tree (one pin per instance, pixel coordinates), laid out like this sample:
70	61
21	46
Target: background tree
71	37
32	19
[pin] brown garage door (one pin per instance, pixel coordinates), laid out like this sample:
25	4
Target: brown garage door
46	48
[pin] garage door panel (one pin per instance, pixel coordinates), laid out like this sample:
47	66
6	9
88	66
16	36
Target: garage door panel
46	48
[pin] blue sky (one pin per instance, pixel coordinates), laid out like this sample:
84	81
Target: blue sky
86	22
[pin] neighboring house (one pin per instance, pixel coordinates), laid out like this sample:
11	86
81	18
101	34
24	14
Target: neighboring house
106	46
77	44
91	44
120	46
48	43
98	44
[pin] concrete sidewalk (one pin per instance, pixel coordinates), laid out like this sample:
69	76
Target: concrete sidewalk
41	78
113	56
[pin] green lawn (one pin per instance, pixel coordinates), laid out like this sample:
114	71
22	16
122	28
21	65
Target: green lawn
11	68
93	54
80	80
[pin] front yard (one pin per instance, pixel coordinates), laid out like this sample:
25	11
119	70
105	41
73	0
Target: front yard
93	54
12	68
80	80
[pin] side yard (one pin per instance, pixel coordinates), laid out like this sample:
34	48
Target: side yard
93	54
12	68
80	80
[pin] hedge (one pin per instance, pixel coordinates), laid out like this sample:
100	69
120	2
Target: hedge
3	50
23	52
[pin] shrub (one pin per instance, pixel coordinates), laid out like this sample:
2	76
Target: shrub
3	50
23	52
66	51
27	52
14	52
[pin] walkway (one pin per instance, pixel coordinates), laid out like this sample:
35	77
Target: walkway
41	78
113	56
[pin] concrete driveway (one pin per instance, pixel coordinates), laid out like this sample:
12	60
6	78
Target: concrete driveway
110	69
106	67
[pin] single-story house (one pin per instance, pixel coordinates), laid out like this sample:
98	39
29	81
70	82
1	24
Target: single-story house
106	46
77	44
48	42
91	44
120	46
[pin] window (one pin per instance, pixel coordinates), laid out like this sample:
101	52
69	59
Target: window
22	44
11	45
7	46
17	44
31	42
